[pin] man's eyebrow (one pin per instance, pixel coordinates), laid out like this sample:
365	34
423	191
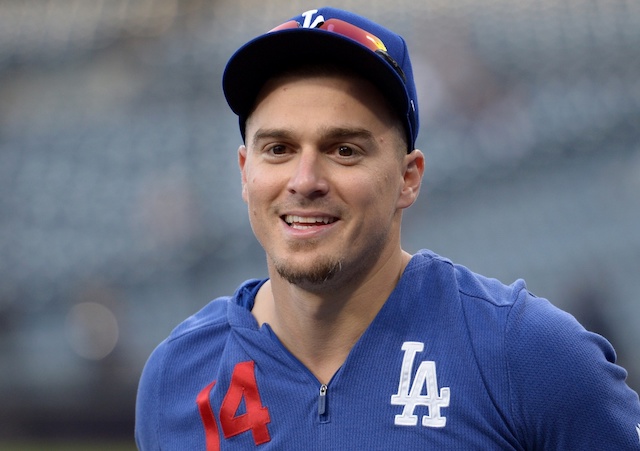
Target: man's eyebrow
327	134
346	133
271	133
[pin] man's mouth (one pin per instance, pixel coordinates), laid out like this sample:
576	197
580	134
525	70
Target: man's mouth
306	222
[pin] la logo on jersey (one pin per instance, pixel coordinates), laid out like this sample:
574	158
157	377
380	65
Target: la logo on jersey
410	394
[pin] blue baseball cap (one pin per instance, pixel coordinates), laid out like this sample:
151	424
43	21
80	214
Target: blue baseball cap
325	35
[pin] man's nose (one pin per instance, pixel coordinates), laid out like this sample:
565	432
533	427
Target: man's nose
309	176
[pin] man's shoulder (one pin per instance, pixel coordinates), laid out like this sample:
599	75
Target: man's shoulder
220	313
208	327
489	309
212	315
469	286
205	333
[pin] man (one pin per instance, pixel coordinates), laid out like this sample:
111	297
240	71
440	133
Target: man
352	343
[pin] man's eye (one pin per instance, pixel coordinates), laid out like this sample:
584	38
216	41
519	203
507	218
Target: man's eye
278	150
345	151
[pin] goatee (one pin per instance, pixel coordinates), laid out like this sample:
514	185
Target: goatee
320	272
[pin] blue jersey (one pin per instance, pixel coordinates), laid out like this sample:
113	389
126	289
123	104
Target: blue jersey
453	361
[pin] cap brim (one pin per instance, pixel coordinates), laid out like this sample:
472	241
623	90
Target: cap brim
263	57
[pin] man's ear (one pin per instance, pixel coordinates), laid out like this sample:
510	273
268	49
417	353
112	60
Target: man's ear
242	159
413	170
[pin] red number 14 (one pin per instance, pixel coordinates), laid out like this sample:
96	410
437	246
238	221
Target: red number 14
243	385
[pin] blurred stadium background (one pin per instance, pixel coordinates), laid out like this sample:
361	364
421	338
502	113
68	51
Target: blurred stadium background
120	207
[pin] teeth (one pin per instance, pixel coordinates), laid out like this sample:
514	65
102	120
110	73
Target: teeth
291	219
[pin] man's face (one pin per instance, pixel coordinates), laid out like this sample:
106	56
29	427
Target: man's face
324	176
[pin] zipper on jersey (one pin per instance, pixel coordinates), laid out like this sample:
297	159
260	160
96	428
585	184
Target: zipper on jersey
323	416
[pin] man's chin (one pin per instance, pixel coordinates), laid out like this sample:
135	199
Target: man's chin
314	274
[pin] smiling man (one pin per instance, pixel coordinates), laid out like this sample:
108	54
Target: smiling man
352	343
326	176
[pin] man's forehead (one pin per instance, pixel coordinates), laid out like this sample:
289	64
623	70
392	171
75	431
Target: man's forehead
316	77
307	91
354	107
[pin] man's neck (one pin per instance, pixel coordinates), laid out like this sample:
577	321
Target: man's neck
321	328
